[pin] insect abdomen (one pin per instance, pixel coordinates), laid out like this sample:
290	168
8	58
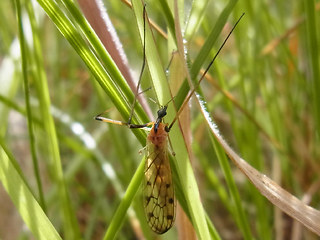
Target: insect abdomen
159	201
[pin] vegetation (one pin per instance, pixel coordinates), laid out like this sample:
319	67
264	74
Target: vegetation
71	177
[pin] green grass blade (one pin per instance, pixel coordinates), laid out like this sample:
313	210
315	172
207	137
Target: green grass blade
241	218
212	38
206	49
27	205
155	65
27	97
184	169
169	18
104	78
119	216
313	50
71	228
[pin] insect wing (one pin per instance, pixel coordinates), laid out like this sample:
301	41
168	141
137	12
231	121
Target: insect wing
159	201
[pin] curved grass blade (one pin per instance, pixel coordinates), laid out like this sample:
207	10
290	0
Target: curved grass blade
288	203
23	199
184	169
111	81
205	50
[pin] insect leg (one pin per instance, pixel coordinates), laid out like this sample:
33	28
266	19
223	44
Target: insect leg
143	65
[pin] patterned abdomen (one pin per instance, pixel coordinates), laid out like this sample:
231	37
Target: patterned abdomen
159	201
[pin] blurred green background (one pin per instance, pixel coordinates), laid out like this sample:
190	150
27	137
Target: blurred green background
264	96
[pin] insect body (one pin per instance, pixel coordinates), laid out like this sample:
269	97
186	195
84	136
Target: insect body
159	201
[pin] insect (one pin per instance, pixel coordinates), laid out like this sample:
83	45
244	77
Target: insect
159	200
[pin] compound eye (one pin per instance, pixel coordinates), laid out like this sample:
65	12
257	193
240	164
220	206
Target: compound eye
162	112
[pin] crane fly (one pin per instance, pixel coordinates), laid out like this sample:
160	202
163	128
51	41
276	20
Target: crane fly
159	199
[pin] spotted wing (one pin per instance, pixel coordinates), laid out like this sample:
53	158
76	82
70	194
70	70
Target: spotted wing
159	201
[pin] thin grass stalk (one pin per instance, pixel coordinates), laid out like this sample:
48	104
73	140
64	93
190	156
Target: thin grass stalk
27	97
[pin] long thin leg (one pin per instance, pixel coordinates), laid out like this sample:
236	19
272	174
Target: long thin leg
108	120
117	122
143	65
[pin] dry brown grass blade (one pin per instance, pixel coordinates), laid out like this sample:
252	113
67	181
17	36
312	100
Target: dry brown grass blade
98	18
279	197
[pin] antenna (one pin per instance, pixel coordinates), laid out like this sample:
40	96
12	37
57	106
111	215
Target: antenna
186	100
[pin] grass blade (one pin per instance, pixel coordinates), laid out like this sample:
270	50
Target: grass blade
27	205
